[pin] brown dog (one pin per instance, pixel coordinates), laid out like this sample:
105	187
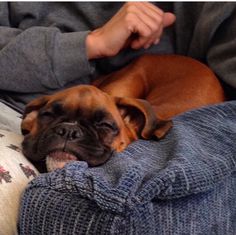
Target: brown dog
88	123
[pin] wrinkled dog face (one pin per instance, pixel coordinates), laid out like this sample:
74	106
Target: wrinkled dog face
83	123
77	135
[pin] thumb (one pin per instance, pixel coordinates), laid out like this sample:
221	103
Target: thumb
169	19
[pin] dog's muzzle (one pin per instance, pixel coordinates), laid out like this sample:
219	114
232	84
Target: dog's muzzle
69	131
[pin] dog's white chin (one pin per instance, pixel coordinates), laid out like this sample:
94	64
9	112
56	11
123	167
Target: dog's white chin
58	159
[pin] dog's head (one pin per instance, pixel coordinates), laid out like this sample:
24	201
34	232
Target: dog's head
84	123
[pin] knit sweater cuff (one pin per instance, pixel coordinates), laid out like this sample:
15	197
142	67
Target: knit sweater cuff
70	60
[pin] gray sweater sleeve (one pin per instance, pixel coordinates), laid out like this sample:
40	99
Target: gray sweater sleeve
40	58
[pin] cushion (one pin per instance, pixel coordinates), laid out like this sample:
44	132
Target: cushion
182	184
15	173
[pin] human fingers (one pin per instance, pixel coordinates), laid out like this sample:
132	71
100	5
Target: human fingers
144	21
162	20
168	19
158	16
155	19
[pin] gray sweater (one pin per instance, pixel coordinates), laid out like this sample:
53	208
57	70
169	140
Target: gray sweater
42	45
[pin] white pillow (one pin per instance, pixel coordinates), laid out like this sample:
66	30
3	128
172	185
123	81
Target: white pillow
15	173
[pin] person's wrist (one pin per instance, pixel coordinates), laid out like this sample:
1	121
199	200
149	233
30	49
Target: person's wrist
93	46
91	54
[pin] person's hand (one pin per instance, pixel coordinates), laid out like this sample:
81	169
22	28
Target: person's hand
136	24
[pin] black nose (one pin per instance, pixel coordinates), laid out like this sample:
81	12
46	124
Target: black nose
69	131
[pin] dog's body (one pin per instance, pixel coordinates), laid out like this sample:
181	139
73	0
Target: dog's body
171	84
89	123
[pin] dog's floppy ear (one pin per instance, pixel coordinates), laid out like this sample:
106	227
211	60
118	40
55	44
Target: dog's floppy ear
31	113
140	117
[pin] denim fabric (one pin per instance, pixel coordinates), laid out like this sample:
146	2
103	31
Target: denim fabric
183	184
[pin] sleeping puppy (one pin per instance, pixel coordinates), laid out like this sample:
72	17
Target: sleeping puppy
90	122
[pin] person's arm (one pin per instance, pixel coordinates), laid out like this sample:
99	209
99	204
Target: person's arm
39	58
42	58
